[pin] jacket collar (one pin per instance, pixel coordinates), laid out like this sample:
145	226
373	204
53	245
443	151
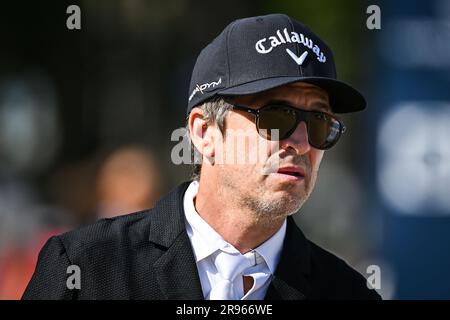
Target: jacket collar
176	269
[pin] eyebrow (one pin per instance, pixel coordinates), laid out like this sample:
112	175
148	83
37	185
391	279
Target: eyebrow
321	105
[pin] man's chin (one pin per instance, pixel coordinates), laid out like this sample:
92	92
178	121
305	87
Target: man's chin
286	203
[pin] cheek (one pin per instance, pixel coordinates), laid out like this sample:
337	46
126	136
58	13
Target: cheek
316	158
243	145
263	148
239	147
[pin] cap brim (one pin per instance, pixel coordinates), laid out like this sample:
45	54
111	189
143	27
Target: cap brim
343	97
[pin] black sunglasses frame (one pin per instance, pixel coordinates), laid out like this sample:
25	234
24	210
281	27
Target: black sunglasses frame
301	115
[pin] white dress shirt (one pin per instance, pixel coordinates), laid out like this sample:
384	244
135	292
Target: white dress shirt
207	244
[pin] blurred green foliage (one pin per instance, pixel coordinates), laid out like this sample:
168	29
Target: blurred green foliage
341	24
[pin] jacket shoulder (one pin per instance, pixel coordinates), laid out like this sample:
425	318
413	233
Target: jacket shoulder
114	256
109	234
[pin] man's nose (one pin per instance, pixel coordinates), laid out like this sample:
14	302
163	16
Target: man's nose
298	140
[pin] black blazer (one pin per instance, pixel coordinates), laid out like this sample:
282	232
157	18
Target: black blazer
148	255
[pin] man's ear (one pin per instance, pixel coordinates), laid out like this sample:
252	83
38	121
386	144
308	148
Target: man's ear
202	133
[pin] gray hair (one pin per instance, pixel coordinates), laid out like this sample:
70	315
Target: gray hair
215	111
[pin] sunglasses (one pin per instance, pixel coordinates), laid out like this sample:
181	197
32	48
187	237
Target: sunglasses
324	129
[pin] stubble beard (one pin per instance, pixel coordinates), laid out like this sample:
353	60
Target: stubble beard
265	210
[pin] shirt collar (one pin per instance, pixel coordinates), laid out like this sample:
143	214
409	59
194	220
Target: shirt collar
205	240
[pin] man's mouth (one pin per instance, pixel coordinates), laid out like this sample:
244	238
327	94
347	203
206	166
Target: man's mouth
292	171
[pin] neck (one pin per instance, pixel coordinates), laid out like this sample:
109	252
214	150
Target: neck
239	226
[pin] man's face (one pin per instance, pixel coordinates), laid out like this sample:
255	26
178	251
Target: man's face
276	194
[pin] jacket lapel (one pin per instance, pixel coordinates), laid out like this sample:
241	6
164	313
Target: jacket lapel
176	270
290	280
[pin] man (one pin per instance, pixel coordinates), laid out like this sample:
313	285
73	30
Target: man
228	234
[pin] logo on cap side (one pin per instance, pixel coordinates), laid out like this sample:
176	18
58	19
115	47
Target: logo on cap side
282	38
204	87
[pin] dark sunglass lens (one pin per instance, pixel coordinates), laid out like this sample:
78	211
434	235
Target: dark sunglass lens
323	130
278	118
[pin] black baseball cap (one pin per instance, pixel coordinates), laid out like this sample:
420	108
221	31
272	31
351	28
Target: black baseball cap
256	54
